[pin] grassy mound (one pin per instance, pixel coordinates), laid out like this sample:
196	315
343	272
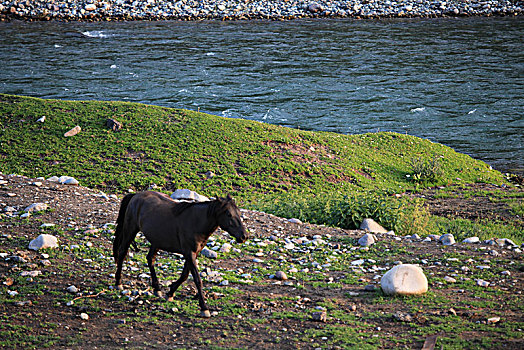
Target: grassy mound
174	148
260	164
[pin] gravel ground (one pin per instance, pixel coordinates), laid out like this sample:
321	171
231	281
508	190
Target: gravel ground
94	10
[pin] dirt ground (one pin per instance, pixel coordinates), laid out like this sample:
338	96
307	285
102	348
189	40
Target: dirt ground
265	314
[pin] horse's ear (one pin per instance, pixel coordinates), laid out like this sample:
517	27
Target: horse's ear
229	198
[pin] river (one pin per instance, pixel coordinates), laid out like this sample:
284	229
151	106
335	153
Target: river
457	81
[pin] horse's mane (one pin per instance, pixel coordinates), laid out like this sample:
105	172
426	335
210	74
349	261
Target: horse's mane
181	207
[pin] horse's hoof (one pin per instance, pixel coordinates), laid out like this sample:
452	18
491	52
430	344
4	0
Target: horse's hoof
159	293
205	313
120	287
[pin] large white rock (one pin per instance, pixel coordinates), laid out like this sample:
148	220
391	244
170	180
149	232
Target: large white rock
372	226
43	241
404	279
188	195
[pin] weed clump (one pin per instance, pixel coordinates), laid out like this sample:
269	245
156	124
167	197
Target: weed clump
426	170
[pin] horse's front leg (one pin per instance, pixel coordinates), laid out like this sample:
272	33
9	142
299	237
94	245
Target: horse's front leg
204	310
151	255
183	277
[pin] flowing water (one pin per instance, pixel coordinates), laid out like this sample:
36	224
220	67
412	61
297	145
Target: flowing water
455	81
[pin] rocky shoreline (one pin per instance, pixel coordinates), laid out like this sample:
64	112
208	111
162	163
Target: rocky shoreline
111	10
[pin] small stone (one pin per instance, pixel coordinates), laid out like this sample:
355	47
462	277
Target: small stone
367	240
280	275
505	242
319	316
90	7
43	241
450	279
482	283
30	273
471	240
71	181
113	124
295	221
495	319
36	207
402	317
84	316
47	225
226	248
447	239
73	131
209	253
372	226
358	262
369	288
53	179
315	7
185	194
72	289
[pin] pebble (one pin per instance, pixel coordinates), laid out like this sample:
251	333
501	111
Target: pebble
367	240
495	319
257	9
280	275
73	131
471	240
450	279
319	316
35	207
72	289
209	253
447	239
482	283
84	316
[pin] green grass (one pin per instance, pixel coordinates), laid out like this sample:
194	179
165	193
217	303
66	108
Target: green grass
319	177
174	148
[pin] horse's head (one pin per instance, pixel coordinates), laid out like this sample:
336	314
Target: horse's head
229	219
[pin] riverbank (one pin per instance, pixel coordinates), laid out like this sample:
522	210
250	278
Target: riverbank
108	10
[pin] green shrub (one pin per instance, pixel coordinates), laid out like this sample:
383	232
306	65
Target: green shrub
426	170
348	211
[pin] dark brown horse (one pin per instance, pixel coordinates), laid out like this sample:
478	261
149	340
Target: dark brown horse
182	228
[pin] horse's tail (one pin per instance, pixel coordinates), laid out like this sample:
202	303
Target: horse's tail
120	224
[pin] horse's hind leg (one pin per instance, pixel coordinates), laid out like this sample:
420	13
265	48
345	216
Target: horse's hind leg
151	256
129	236
174	286
204	310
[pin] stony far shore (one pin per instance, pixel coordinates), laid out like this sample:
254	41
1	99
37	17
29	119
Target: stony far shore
111	10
